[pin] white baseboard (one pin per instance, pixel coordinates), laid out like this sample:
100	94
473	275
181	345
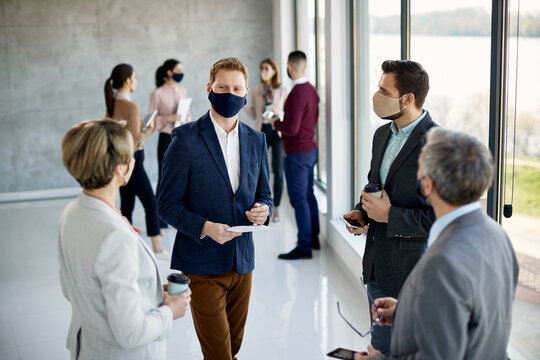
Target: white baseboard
35	195
48	194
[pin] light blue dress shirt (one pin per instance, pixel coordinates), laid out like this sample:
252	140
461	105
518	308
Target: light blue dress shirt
441	223
398	138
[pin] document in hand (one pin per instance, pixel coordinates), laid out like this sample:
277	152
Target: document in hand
182	110
148	119
248	228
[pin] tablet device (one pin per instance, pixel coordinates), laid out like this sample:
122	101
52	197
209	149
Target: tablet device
148	119
352	223
341	353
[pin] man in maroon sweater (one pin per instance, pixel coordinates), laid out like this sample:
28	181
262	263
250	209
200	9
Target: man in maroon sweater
298	137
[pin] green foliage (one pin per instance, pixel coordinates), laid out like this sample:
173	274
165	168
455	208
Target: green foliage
530	26
528	127
527	189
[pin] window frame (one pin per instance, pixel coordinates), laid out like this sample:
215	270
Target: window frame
497	103
316	29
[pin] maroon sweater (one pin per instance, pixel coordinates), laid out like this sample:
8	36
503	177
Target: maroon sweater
300	120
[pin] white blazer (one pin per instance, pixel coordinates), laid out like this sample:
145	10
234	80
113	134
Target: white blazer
111	278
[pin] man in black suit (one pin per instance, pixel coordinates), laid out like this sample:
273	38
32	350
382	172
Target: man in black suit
398	223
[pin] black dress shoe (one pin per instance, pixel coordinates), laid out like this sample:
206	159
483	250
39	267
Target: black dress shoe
296	254
315	244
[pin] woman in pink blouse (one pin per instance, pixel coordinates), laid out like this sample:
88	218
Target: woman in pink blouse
165	100
266	102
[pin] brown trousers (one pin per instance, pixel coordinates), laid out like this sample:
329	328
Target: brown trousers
219	305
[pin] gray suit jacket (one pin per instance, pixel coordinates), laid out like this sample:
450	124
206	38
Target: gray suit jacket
110	277
457	301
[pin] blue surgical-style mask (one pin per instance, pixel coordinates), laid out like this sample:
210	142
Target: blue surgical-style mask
227	104
421	196
178	77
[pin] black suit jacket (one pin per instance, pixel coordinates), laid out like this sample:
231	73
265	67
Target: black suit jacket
393	248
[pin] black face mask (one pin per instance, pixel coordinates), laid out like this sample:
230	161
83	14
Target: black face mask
289	74
178	77
226	104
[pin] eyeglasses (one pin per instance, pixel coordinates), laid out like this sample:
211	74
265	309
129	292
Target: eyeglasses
373	323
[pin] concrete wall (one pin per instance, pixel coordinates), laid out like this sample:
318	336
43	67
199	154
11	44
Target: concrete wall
56	54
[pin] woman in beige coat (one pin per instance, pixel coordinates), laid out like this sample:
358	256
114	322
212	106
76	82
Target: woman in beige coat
118	88
107	272
266	102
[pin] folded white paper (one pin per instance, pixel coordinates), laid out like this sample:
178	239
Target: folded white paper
248	228
182	110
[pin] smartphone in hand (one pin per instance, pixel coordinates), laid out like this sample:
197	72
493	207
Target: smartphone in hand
148	119
341	353
352	223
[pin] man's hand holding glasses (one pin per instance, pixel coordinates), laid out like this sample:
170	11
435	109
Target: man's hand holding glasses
383	310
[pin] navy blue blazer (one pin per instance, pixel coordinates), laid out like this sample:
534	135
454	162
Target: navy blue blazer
195	187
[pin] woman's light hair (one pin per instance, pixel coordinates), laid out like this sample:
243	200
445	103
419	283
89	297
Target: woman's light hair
92	149
459	164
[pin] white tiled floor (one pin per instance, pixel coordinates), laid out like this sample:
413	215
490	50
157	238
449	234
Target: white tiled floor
292	312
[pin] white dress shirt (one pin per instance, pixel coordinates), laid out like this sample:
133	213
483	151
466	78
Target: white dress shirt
300	80
122	96
230	147
441	223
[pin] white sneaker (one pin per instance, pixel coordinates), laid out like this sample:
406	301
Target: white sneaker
165	255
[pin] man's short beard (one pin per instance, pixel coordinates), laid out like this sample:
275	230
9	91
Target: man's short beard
395	116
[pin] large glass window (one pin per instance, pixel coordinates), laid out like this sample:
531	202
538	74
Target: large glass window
452	41
310	38
306	39
376	39
522	180
384	44
321	174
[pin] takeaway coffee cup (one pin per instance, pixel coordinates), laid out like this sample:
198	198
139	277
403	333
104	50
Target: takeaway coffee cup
373	190
178	283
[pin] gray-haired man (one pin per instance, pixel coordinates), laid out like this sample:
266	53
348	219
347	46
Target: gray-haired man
457	301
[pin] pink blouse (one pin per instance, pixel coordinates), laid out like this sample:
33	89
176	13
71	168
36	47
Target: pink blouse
165	100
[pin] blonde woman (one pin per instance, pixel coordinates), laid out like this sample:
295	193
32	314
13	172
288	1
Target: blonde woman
266	102
107	272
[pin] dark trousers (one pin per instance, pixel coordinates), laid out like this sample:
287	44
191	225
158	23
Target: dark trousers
273	141
163	143
219	305
139	186
299	174
381	335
